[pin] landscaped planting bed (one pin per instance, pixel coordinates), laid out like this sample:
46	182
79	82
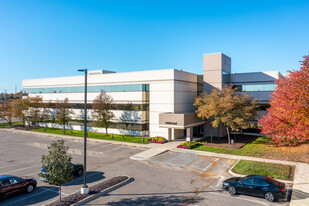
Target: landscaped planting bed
76	197
188	145
159	140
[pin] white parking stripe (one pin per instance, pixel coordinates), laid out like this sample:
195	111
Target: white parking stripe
17	163
56	191
13	159
28	196
18	170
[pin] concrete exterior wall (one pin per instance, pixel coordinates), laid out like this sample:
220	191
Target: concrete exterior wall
170	90
214	65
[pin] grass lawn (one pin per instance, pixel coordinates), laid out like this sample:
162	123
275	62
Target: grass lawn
277	171
94	135
5	125
262	147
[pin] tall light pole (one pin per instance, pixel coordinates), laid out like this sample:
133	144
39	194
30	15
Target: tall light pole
85	189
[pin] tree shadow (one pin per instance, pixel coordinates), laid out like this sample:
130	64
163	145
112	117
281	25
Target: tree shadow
92	176
157	200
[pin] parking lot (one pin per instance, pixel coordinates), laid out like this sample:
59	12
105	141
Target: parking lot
167	179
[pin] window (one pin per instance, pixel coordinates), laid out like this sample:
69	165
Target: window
106	88
255	87
248	181
4	182
14	180
260	183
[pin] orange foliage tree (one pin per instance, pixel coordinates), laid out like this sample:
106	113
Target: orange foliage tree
287	121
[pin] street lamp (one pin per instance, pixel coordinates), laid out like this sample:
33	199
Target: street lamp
85	189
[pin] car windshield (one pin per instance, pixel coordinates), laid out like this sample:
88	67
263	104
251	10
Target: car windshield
241	178
44	169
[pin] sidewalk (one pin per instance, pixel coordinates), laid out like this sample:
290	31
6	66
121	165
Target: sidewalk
300	194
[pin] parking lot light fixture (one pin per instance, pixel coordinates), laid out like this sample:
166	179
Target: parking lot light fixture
85	189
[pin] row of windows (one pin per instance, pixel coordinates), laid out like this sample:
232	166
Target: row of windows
126	107
255	88
106	88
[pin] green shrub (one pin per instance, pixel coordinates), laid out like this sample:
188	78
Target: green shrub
157	139
188	145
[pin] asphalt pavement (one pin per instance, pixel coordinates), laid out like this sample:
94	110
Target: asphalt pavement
171	178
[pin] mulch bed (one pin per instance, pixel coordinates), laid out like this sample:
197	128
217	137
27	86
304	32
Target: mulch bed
76	197
239	141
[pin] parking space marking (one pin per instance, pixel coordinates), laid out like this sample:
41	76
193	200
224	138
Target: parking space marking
29	196
209	165
18	170
55	191
35	173
16	163
182	159
13	159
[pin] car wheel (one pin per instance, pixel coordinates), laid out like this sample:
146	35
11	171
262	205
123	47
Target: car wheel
231	190
269	196
30	188
79	172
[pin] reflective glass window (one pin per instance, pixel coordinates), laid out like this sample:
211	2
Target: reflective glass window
106	88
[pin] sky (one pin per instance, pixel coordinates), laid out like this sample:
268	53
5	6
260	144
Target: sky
51	38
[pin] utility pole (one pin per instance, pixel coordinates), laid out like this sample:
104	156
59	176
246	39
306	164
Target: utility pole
85	189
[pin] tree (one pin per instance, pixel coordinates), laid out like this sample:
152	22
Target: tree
226	107
101	111
19	108
33	109
57	164
63	112
287	121
6	111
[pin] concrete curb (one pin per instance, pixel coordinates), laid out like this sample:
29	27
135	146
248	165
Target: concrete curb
77	138
103	192
241	175
237	157
91	197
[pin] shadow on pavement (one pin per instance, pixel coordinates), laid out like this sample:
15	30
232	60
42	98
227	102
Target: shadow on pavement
41	194
92	176
298	195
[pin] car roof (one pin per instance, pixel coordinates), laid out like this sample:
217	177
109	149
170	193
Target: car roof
257	177
5	176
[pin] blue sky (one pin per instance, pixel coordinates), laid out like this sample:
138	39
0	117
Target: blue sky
50	38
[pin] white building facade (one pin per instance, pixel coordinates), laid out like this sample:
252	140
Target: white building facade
152	103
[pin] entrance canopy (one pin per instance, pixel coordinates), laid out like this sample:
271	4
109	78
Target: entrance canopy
179	121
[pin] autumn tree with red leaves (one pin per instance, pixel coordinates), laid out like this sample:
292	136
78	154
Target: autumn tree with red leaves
287	121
